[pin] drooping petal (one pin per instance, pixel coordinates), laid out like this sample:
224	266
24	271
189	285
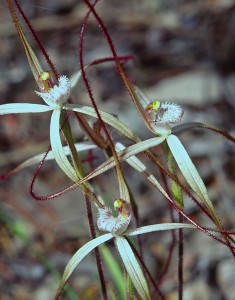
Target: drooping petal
185	126
57	148
190	173
79	255
157	227
133	268
21	108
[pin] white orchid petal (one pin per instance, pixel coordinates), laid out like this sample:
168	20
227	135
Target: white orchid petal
38	158
57	148
109	119
75	78
135	163
188	169
21	108
133	268
80	254
158	227
124	155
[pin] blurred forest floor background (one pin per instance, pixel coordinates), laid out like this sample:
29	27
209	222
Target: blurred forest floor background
183	52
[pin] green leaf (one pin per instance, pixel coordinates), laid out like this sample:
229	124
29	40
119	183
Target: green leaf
78	257
66	128
158	227
175	188
21	108
114	270
133	268
57	148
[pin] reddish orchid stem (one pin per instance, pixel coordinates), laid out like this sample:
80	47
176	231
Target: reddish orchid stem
38	41
96	250
89	91
33	181
180	260
219	131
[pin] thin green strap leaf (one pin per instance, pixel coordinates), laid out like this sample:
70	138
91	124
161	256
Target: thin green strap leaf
175	188
133	268
158	227
190	173
66	128
114	270
21	108
57	148
79	255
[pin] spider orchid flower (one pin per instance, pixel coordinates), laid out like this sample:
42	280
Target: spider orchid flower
159	118
116	226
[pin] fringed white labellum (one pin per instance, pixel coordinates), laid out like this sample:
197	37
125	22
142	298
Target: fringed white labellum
115	225
58	94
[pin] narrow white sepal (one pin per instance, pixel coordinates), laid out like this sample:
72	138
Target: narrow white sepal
188	169
57	147
21	108
158	227
133	268
135	163
80	254
38	158
75	78
108	118
124	155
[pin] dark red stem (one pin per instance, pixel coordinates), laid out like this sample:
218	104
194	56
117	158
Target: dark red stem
96	250
38	41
